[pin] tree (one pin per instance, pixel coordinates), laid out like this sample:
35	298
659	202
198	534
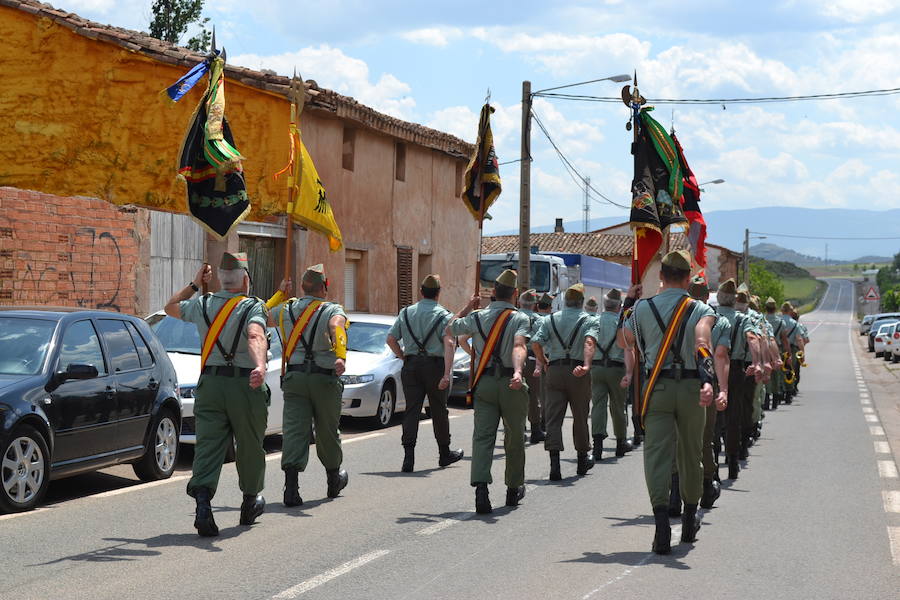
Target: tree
764	283
171	19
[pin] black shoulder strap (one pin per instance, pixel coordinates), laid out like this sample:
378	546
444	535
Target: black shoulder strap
568	347
659	321
496	354
791	332
679	339
240	331
412	333
735	328
308	341
203	305
478	325
612	341
434	326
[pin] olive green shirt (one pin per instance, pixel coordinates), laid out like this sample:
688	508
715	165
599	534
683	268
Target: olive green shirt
607	326
319	340
518	325
534	320
743	325
565	321
423	316
192	312
649	335
777	324
721	333
791	328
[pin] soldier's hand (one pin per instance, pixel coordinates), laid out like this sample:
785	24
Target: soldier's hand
706	394
537	370
778	364
515	383
286	286
204	275
444	383
474	303
339	366
257	376
625	382
635	291
722	401
580	371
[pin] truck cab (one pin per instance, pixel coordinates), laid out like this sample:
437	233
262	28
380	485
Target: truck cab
548	273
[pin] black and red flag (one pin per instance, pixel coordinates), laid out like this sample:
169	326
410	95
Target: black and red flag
690	204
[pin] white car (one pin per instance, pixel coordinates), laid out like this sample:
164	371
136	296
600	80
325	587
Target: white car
891	340
182	343
865	324
881	338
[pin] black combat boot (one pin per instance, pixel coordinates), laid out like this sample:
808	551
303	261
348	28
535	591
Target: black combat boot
636	439
409	459
733	467
482	499
776	400
675	497
623	447
514	494
690	524
585	463
291	488
555	473
204	522
538	434
662	539
745	448
789	397
598	447
767	402
448	456
337	480
252	506
711	492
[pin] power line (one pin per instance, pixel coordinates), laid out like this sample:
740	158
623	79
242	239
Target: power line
576	176
816	237
722	101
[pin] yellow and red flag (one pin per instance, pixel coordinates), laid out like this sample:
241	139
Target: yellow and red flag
482	179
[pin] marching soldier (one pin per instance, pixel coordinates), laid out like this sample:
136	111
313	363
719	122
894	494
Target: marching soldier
792	331
607	375
527	301
672	332
498	341
775	387
802	340
314	333
570	337
231	398
421	327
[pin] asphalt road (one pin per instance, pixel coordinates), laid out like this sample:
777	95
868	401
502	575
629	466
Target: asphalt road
806	519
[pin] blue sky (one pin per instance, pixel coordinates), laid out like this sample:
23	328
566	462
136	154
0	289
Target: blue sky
432	61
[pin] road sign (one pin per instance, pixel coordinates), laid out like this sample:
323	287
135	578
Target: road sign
872	295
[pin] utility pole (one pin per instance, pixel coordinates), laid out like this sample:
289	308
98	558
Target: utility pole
747	257
525	191
587	204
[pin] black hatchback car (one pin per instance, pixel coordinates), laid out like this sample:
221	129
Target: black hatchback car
81	391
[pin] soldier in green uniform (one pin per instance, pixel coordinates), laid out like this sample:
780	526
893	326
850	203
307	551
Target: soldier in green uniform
775	387
421	327
498	340
527	301
753	422
315	358
570	338
231	398
677	399
607	374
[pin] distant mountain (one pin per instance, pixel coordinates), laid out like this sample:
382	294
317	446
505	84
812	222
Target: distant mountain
726	228
774	252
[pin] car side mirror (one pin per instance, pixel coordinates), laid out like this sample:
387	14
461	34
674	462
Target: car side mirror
78	371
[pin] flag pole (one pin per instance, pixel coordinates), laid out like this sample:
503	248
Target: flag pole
295	177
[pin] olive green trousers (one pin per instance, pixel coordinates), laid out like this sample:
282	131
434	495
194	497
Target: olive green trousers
493	402
311	398
608	397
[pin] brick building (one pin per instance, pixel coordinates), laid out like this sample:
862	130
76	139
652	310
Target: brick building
394	186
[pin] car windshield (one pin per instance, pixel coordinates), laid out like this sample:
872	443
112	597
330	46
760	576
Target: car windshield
183	338
23	344
367	337
540	272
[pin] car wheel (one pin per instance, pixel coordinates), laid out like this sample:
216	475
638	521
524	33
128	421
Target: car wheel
384	414
877	354
24	470
161	456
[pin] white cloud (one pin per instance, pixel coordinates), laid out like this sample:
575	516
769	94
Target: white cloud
433	36
856	11
333	69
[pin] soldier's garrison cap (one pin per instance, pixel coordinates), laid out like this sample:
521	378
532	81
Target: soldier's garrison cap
575	292
545	299
614	294
678	259
770	302
432	282
742	297
315	273
728	286
509	278
743	288
591	304
528	296
232	261
787	306
754	302
698	288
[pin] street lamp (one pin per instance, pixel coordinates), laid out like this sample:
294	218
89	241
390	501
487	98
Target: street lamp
747	254
525	172
714	181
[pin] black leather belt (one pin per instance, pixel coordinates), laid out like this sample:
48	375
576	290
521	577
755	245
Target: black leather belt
607	363
311	369
743	364
412	357
566	362
499	371
685	374
227	371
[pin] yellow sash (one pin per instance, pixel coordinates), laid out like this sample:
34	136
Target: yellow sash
490	344
216	327
664	348
297	331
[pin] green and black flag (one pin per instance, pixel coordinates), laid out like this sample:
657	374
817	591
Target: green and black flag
482	180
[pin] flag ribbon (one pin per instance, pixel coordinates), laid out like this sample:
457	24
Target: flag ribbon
664	347
490	344
216	327
297	331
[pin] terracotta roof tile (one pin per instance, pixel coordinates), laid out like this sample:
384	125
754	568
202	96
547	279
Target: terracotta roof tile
322	99
600	245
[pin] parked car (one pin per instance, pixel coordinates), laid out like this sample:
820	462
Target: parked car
895	345
889	342
182	342
461	374
881	337
876	324
866	324
81	391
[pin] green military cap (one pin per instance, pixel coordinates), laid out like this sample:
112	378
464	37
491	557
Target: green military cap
591	304
742	297
754	302
509	278
787	306
743	288
678	259
432	282
770	302
614	294
698	288
575	292
232	261
315	273
545	299
528	296
728	286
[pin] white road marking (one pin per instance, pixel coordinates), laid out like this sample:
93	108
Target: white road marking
872	418
894	537
868	410
309	584
882	448
24	514
876	430
368	436
865	401
887	469
891	501
134	488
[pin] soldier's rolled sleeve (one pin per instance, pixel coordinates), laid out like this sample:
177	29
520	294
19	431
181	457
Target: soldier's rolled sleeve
396	330
258	315
541	337
593	331
523	326
190	309
463	326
